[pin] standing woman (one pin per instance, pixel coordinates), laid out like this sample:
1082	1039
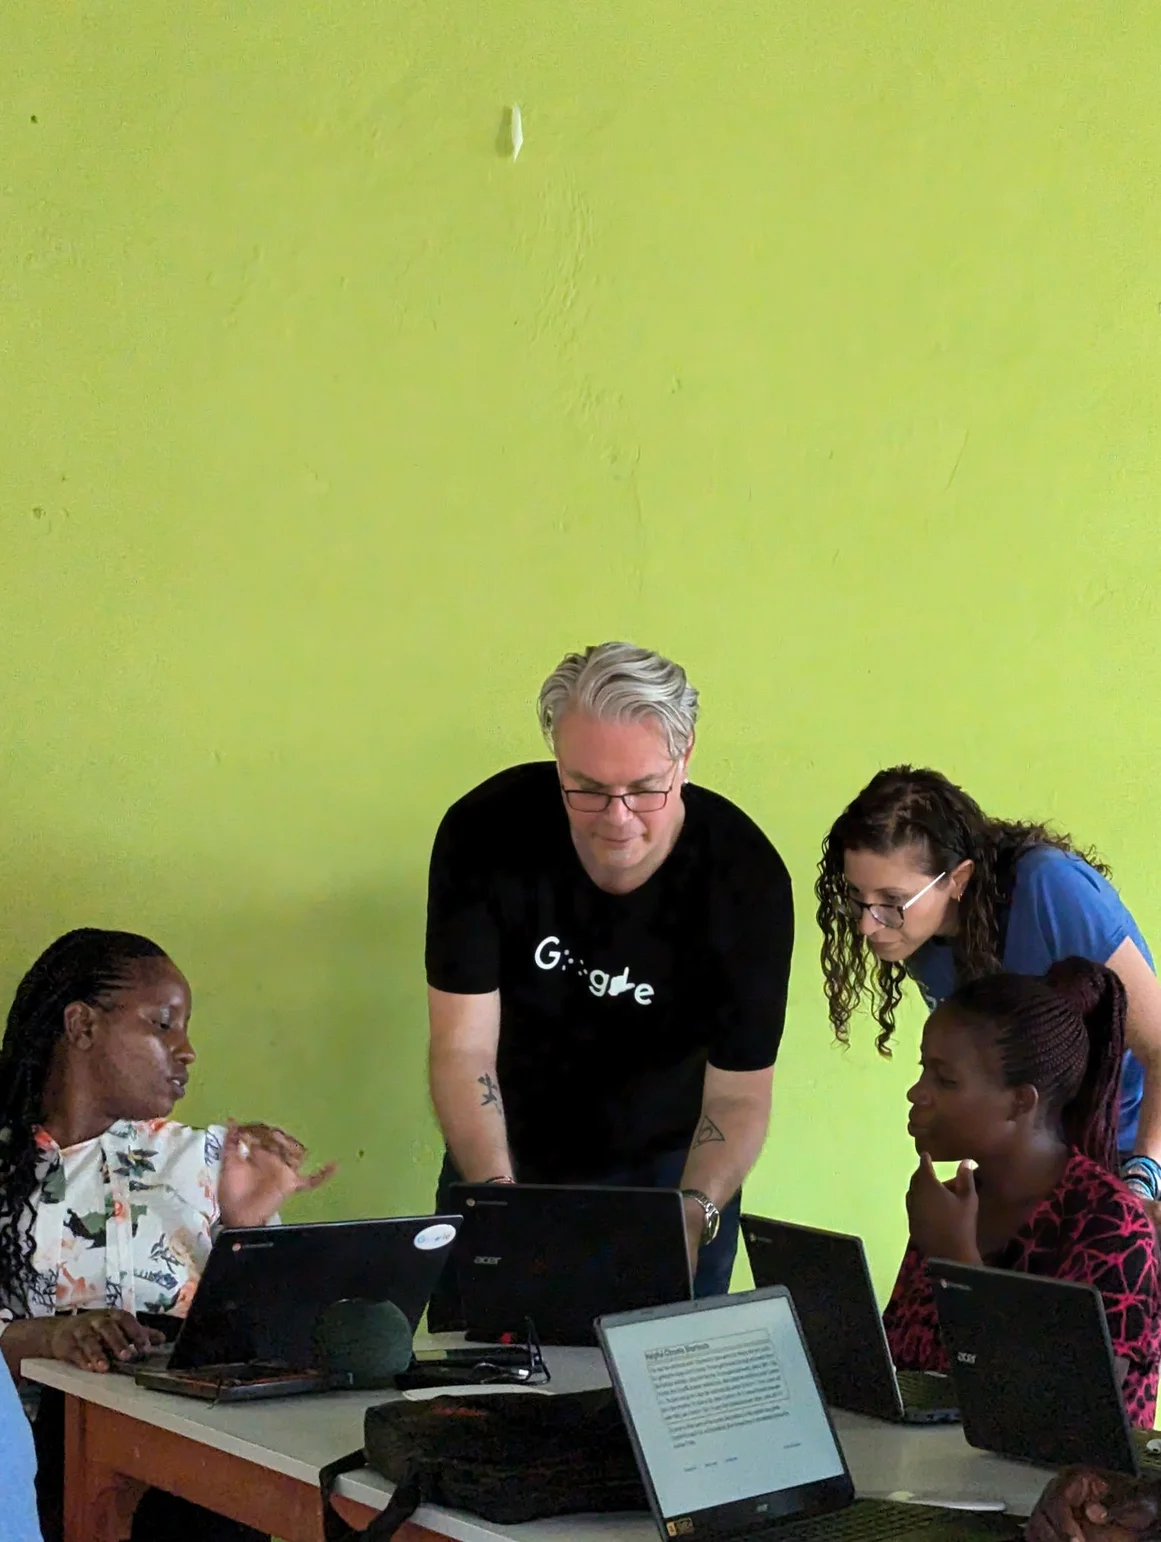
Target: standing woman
917	882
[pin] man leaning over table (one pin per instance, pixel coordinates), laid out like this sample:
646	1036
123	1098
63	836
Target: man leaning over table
608	949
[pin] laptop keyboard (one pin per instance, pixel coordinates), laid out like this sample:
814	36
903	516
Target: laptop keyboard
877	1520
155	1359
919	1390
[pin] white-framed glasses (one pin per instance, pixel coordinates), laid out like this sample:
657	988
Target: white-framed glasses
890	916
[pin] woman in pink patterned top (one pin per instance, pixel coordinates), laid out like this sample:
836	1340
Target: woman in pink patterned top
1020	1079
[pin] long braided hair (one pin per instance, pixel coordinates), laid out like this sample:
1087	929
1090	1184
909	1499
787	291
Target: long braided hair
86	965
1065	1036
911	808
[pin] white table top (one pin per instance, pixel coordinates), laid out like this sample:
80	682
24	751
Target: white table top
298	1435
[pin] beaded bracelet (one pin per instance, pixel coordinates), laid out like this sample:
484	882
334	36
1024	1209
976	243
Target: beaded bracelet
1143	1175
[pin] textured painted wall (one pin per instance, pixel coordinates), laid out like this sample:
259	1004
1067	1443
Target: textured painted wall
814	344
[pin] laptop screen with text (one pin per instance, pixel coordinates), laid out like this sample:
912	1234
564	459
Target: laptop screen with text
723	1403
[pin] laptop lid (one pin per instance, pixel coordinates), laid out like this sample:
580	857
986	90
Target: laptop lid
265	1287
727	1419
564	1255
826	1273
1033	1366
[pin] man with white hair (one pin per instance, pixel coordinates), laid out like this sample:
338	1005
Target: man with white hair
608	949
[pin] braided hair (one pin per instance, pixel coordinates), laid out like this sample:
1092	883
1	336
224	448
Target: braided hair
86	965
1065	1036
911	808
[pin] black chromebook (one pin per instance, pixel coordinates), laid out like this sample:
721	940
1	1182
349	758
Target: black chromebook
1034	1369
252	1324
826	1273
561	1256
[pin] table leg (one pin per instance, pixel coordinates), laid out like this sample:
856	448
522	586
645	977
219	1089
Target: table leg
98	1500
111	1459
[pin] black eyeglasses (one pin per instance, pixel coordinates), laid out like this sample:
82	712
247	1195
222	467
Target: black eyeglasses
533	1371
891	916
585	802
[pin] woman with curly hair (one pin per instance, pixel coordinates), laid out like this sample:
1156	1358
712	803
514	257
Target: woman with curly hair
917	882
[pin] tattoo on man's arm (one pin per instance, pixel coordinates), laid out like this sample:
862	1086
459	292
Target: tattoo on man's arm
707	1131
491	1092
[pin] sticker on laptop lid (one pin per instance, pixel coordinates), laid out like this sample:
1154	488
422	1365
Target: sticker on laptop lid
432	1237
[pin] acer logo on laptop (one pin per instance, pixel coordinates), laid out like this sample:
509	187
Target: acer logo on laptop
964	1358
481	1259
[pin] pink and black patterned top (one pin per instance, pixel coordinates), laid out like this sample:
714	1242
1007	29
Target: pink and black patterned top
1090	1229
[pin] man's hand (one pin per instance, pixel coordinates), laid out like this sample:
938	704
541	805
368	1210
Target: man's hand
1086	1506
943	1219
91	1339
261	1169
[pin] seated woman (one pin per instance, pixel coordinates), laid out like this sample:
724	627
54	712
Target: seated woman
107	1206
1021	1076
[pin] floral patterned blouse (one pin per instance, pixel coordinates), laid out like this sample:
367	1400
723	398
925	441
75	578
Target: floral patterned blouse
125	1220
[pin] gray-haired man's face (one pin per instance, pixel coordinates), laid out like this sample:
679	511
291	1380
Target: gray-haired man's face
623	844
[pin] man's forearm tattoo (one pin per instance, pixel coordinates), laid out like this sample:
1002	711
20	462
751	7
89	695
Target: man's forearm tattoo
491	1092
707	1131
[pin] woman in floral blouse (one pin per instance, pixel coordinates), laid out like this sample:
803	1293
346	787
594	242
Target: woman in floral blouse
107	1205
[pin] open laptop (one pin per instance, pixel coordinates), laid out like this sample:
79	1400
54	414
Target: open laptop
826	1273
733	1437
252	1323
561	1256
1034	1369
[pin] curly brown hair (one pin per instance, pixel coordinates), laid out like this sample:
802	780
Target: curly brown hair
911	807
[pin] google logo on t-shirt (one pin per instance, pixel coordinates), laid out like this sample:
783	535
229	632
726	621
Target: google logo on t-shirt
550	953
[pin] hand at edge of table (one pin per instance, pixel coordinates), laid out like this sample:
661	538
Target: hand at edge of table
91	1339
1082	1505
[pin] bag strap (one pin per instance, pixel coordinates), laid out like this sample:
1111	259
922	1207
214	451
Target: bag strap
404	1502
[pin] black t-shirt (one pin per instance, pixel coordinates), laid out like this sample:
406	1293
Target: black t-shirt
610	1005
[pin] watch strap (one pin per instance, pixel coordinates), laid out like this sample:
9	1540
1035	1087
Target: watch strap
713	1215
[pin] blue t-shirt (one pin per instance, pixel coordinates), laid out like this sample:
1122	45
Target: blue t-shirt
18	1522
1061	908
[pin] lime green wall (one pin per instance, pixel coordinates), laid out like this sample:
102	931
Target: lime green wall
815	344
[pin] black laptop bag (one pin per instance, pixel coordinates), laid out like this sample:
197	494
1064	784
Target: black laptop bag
508	1457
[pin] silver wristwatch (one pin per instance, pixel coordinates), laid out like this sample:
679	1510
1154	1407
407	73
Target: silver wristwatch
713	1216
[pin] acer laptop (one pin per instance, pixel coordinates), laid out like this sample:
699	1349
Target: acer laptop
252	1323
1034	1369
561	1256
733	1437
826	1273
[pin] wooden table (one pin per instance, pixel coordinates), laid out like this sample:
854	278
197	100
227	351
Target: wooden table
259	1462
